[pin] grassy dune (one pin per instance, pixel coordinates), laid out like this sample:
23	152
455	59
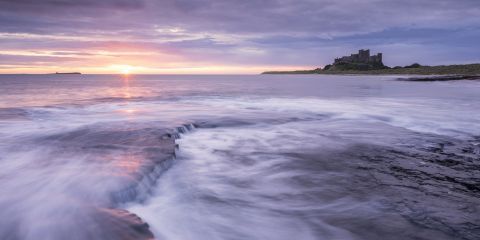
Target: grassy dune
467	69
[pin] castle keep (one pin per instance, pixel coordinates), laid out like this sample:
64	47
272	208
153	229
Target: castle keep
363	56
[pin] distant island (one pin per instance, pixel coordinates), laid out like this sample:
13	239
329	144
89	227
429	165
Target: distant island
363	63
68	73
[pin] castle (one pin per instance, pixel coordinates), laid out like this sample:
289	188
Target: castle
363	56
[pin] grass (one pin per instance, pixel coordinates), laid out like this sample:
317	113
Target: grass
466	69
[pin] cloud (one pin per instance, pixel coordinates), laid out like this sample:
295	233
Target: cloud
276	32
327	18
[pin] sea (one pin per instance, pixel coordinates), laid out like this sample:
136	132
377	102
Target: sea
227	157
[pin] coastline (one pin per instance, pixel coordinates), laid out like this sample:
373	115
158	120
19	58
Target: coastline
446	70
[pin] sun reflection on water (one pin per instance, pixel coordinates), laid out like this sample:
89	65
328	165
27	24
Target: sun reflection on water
126	91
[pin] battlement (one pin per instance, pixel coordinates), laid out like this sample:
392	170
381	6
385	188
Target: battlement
363	56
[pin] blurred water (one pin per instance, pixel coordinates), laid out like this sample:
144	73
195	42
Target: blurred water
272	157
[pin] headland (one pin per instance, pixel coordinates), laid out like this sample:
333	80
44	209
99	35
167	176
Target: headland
364	64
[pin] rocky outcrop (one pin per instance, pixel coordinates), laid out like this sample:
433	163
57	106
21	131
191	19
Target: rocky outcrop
441	78
436	187
87	176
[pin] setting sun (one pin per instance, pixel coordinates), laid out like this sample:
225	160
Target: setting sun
122	69
126	70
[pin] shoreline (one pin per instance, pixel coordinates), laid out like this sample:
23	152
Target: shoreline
444	70
408	78
441	78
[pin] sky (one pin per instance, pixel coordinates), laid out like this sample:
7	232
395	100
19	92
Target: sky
230	36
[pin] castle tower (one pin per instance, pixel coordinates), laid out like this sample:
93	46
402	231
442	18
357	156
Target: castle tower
364	55
379	57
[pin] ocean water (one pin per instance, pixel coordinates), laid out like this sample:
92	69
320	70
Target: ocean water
238	157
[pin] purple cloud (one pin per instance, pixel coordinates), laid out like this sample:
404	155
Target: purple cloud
263	32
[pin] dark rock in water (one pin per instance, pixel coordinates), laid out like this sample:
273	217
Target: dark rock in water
428	190
140	153
436	188
441	78
81	223
120	224
97	168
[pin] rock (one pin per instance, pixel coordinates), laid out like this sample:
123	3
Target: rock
441	78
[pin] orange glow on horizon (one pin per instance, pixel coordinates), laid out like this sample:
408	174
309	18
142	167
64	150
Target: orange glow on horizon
126	71
143	68
122	69
129	59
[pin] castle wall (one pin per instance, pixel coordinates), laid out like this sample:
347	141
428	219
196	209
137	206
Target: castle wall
363	56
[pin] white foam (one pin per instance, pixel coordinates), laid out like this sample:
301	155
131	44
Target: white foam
234	183
454	117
